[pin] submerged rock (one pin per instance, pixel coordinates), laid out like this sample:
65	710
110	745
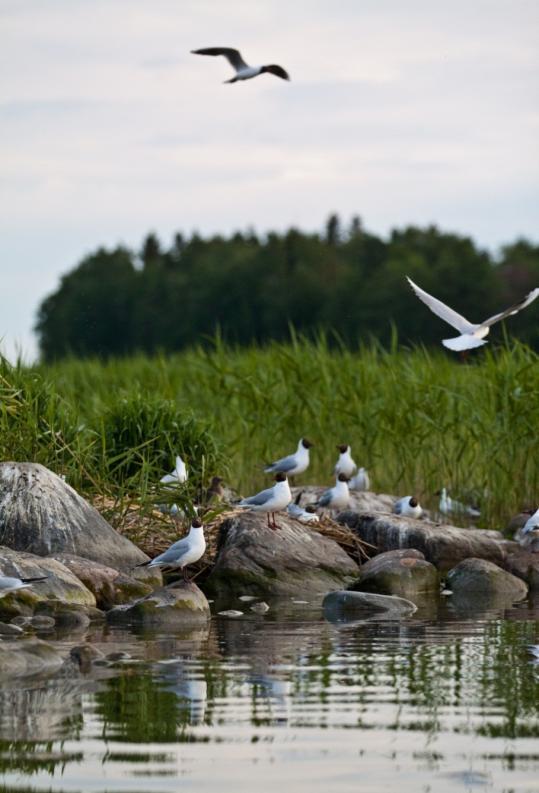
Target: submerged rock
476	577
291	560
179	605
405	573
345	605
42	514
442	545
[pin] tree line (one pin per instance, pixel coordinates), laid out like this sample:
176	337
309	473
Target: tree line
253	289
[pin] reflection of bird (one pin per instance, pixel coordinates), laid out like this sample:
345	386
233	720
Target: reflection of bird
361	481
472	335
408	507
8	584
243	70
307	515
345	464
216	491
295	463
193	691
178	476
450	506
272	500
182	553
336	497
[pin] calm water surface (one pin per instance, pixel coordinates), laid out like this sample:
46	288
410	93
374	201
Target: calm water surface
444	701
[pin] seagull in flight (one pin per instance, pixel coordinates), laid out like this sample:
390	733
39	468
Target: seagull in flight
471	335
243	70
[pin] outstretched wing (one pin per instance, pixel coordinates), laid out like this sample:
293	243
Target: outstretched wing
278	71
513	309
233	56
441	310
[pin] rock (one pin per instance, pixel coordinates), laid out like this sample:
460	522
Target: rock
365	501
60	585
85	655
42	623
523	564
345	605
476	577
110	587
404	573
292	560
68	617
28	657
442	545
10	630
176	606
42	514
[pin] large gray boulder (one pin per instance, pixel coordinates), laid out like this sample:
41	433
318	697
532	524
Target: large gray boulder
405	573
291	560
42	514
525	565
342	606
478	577
442	545
179	605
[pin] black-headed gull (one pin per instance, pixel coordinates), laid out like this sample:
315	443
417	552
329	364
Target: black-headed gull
472	335
295	463
532	524
408	507
361	481
303	515
182	553
243	70
450	506
9	584
337	497
178	476
270	501
345	464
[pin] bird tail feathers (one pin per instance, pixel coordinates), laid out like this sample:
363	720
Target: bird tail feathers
464	342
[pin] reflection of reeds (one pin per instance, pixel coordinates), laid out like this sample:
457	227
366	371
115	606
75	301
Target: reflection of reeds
418	420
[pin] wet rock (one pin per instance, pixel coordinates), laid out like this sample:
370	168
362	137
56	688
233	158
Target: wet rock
85	655
442	545
28	657
110	587
179	605
476	577
42	514
404	572
60	584
345	605
292	560
10	630
524	564
68	617
42	623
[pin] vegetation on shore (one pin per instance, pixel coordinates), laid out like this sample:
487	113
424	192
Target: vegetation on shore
417	420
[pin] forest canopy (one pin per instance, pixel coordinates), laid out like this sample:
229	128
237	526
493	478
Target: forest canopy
253	289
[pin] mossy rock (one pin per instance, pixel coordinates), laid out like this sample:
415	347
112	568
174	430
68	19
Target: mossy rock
176	606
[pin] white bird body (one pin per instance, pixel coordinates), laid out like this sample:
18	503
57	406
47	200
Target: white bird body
337	497
298	513
178	476
184	552
361	481
242	69
450	506
294	464
471	335
10	584
532	524
408	507
274	499
345	464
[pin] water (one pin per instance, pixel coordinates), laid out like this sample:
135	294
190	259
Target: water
440	702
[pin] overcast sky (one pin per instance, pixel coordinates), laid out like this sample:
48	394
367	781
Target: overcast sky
404	112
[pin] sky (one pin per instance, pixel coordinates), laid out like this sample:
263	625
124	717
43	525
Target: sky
412	112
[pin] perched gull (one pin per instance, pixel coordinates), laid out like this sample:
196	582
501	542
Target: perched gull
272	500
345	465
361	481
532	524
336	497
182	553
8	584
295	463
178	475
243	70
471	335
449	506
303	515
408	507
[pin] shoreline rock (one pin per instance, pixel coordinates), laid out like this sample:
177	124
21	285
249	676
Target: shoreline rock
178	605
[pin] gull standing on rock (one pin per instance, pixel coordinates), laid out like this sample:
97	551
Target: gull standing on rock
408	507
345	464
361	481
337	497
243	70
532	524
272	500
182	553
295	463
472	335
9	584
450	506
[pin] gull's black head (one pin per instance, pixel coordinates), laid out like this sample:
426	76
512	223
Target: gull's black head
342	478
413	501
306	444
196	523
342	447
280	477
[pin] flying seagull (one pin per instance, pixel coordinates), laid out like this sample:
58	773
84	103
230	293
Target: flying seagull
471	335
273	500
178	475
295	463
183	552
243	70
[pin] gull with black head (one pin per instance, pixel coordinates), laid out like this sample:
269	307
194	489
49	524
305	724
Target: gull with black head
270	501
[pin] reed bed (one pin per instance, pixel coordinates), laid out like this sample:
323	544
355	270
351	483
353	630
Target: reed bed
418	420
